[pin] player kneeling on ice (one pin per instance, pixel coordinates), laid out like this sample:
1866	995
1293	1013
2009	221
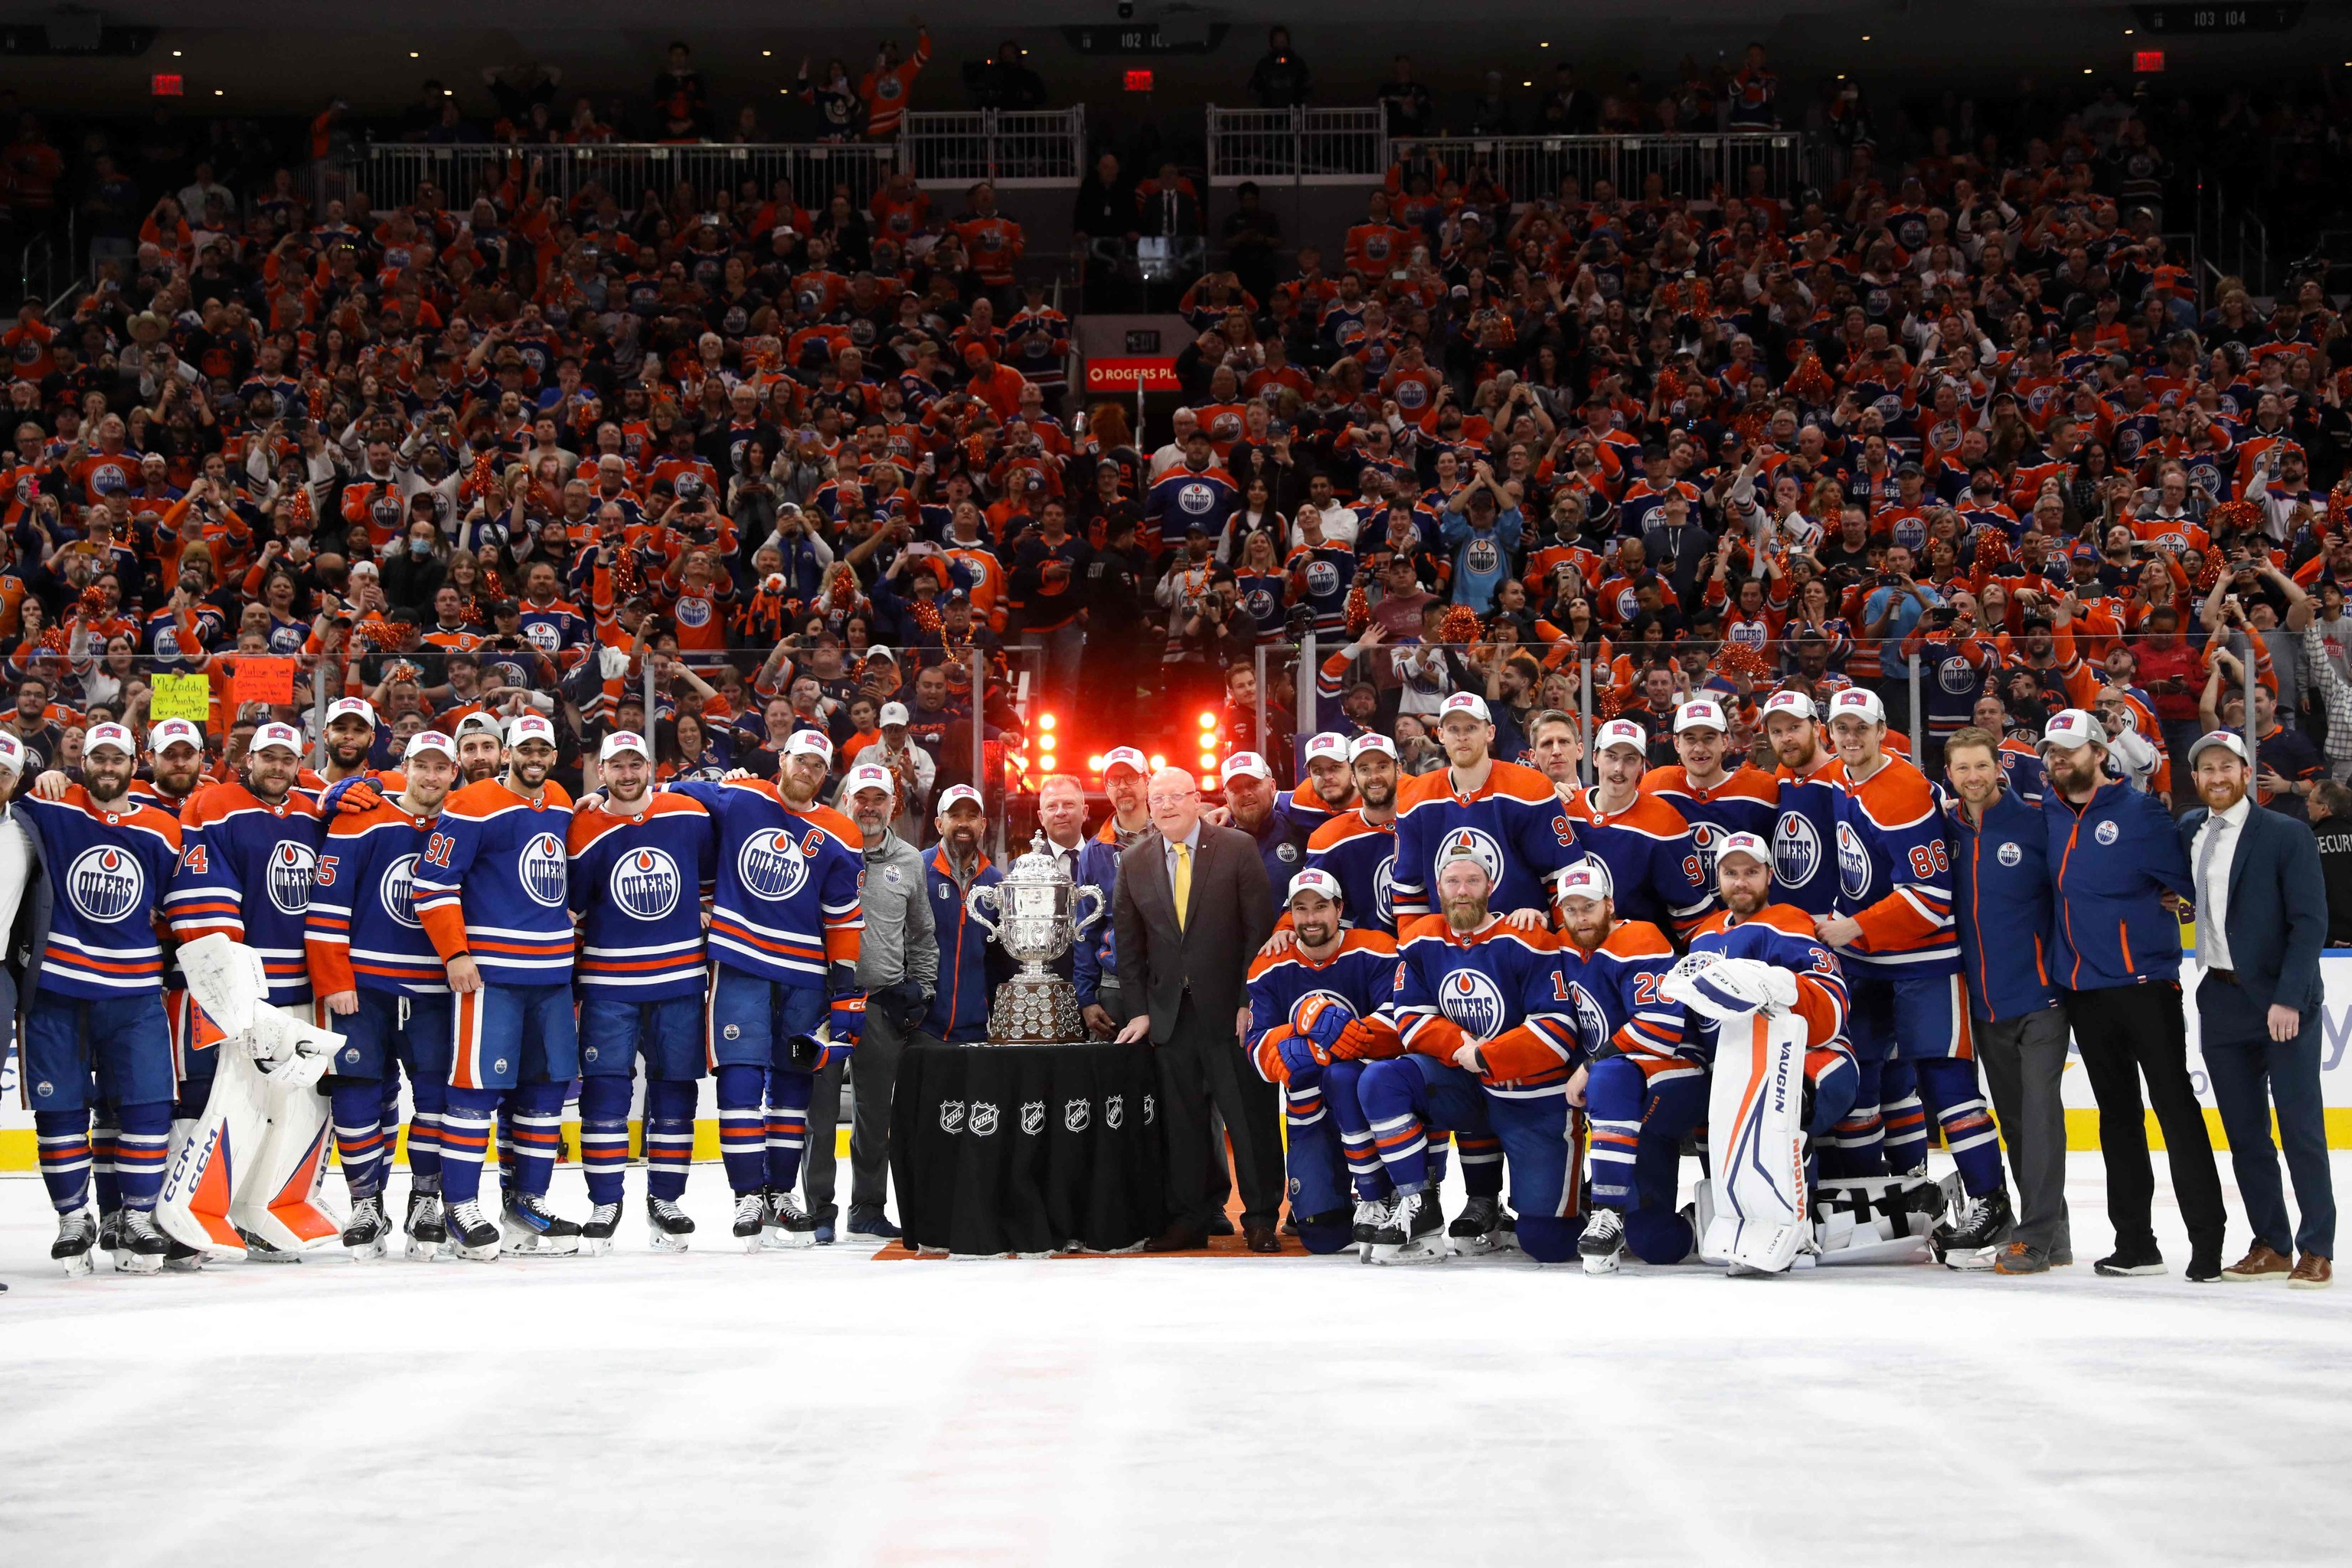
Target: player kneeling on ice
1483	1008
1769	1000
1313	1032
1644	1083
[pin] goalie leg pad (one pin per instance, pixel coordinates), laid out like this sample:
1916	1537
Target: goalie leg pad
200	1187
281	1196
1762	1218
1873	1219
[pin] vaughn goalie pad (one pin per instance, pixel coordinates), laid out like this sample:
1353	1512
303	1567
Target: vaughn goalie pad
1873	1219
254	1162
1756	1129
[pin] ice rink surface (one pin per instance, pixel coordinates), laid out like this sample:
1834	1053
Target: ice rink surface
822	1408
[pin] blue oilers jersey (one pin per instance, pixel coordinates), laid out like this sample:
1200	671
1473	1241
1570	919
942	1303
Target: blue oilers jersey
1746	801
1498	986
1360	978
108	870
495	882
1654	875
1804	837
1514	825
245	870
786	905
1894	873
1362	856
637	886
1613	991
363	932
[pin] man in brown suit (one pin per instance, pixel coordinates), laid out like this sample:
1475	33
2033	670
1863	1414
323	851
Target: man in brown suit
1183	966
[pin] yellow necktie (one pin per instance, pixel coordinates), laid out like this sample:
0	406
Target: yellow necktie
1184	883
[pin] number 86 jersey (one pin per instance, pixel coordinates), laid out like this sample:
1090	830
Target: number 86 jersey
1895	874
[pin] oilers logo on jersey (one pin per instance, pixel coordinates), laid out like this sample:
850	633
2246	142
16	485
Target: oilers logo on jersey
1332	999
1323	578
1384	891
773	864
1796	849
1479	845
399	891
1853	861
1473	1001
293	866
106	883
646	883
1591	1019
541	869
1195	499
1705	836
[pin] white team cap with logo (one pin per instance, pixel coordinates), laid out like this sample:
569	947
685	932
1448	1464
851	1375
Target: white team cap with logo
1320	883
268	735
1365	745
1328	747
621	740
175	733
352	708
808	743
868	775
426	741
2229	741
1855	702
955	793
2072	727
530	727
1588	879
1622	732
894	713
1747	844
1125	757
477	724
1795	703
118	737
12	752
1701	714
1468	702
1248	762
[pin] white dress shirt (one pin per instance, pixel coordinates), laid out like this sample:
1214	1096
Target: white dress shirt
2219	838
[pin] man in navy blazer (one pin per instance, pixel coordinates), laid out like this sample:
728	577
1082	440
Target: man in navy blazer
2262	919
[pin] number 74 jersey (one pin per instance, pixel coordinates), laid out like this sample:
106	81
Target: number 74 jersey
1895	874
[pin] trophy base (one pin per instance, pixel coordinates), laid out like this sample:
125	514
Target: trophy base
1035	1010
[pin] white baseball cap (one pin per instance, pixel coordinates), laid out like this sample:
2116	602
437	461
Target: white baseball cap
1791	702
1328	747
1588	879
264	738
2073	727
1248	762
878	651
869	775
2228	739
1746	844
621	740
1701	714
12	752
1365	745
1322	883
894	713
1858	702
175	733
530	727
1622	732
431	740
352	708
808	743
955	793
478	725
115	735
1468	702
1125	757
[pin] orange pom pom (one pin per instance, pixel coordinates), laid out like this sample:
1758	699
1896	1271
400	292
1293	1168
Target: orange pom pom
1460	625
1358	612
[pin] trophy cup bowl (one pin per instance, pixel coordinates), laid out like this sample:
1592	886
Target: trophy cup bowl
1035	915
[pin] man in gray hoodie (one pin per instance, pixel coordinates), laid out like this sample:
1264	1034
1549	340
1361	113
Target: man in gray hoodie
898	969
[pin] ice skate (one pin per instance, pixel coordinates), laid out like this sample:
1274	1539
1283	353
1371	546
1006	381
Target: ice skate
788	1225
77	1234
110	1237
183	1258
535	1230
363	1238
1371	1214
667	1225
1968	1241
1477	1231
1603	1246
428	1231
472	1236
259	1251
750	1219
1414	1232
144	1246
596	1236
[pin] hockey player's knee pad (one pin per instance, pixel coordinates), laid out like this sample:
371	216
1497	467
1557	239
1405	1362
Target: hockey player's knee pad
742	1087
1327	1233
477	1103
670	1101
1550	1240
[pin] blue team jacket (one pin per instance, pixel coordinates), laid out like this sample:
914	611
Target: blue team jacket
959	1012
1096	954
2110	864
2000	898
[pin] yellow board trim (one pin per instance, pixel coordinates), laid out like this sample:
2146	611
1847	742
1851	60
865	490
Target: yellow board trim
18	1151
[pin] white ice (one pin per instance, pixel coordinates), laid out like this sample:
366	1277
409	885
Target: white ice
821	1408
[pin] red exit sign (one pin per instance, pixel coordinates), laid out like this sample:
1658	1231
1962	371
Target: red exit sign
165	85
2147	62
1138	81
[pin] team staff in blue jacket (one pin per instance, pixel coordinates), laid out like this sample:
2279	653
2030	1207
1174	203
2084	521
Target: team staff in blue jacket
970	965
2000	898
2113	857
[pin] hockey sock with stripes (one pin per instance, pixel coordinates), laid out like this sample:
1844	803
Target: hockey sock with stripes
429	1097
789	1092
1398	1130
1949	1084
604	1135
103	1132
538	1122
670	1137
139	1148
62	1137
743	1126
358	1110
466	1141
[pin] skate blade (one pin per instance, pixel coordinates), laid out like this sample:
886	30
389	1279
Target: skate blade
595	1245
753	1245
1408	1253
534	1244
1600	1263
194	1263
80	1265
660	1240
1486	1245
427	1248
464	1253
139	1263
774	1238
366	1251
1975	1261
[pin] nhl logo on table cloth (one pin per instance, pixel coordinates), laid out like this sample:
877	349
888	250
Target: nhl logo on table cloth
105	883
773	864
541	870
293	866
1075	1114
646	883
984	1118
1032	1118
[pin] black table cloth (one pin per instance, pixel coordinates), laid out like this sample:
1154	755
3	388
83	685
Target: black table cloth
1028	1149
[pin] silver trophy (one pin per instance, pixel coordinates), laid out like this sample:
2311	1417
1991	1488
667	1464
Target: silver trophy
1038	914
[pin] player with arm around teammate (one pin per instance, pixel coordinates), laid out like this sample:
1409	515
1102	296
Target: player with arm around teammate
1315	1024
1643	840
1505	812
641	862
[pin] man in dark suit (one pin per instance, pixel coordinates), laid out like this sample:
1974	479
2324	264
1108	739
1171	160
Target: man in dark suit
1192	905
2262	919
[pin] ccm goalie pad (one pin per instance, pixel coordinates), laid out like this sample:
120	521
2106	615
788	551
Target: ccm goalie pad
254	1162
1757	1204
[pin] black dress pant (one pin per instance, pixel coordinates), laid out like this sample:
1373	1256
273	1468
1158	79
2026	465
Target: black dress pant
2125	1033
1201	1068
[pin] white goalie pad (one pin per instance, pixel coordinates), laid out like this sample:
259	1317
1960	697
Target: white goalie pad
1873	1219
1756	1129
254	1162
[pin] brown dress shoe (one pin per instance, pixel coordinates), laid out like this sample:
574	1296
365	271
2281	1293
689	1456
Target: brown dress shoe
1178	1238
1261	1238
2260	1264
2312	1272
